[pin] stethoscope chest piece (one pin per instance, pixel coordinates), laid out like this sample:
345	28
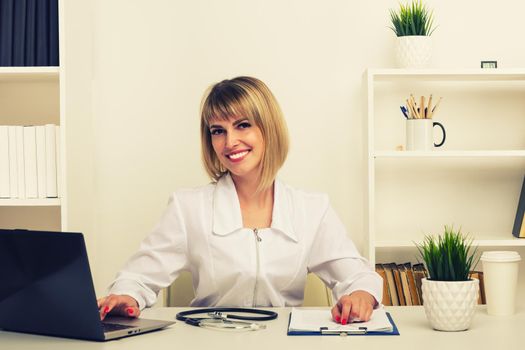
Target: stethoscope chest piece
229	325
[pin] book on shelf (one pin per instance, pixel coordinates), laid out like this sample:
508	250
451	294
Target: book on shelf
6	32
398	284
30	37
4	162
420	272
42	33
13	168
404	284
58	158
20	161
19	32
28	161
479	276
51	160
30	164
519	222
41	160
392	290
29	33
407	285
386	300
53	33
412	284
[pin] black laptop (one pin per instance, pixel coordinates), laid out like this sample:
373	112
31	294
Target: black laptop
46	288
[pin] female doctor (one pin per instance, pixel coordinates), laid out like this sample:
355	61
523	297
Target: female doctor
247	238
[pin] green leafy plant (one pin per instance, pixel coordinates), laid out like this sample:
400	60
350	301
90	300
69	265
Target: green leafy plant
448	257
412	19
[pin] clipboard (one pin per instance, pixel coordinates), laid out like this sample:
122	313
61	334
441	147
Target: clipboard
360	331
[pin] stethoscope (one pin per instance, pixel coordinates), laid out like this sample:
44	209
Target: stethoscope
221	318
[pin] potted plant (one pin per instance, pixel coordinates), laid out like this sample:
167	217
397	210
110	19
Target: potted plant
413	25
449	293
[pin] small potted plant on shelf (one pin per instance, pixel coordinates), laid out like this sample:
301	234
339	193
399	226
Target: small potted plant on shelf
449	293
413	25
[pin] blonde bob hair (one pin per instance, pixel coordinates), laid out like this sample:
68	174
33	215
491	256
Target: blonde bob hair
250	98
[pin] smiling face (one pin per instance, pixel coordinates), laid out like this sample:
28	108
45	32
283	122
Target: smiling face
239	146
243	131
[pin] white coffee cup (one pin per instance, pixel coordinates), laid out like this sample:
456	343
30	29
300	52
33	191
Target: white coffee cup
500	274
420	136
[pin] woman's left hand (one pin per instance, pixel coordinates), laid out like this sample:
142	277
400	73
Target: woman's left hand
358	305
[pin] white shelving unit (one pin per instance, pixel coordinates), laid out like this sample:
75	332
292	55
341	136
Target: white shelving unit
15	202
451	154
472	182
34	96
28	74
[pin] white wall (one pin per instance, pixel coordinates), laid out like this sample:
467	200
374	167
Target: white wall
152	60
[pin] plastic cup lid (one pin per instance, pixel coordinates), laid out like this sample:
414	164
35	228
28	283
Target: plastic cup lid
500	256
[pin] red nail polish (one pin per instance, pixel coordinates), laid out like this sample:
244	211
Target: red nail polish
343	321
106	309
337	319
130	311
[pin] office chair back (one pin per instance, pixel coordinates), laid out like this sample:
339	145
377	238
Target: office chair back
180	293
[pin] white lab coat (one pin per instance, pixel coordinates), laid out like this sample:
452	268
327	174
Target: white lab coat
201	231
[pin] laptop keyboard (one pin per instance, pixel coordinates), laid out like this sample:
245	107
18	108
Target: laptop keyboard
110	327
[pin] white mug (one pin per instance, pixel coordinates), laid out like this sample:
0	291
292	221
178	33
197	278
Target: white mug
420	137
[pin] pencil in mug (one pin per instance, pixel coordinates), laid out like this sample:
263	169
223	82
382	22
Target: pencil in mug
409	110
429	107
422	107
414	105
412	109
437	105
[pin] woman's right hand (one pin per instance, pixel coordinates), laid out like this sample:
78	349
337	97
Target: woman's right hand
121	305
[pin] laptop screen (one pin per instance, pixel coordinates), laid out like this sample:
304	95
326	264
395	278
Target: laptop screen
46	284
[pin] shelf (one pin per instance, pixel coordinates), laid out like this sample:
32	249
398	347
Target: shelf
49	202
24	74
516	242
450	154
511	242
476	74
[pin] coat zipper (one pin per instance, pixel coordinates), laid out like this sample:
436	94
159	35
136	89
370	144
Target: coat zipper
257	240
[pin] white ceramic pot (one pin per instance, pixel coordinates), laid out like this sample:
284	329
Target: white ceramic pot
450	306
414	51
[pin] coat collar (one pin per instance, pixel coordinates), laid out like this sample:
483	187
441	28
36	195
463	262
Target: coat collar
227	216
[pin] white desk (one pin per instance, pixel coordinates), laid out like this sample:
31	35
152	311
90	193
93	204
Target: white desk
486	332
